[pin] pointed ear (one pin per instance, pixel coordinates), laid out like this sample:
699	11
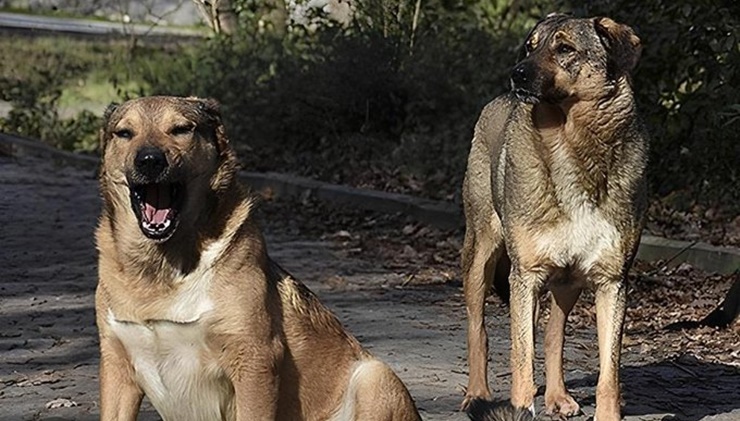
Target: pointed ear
621	43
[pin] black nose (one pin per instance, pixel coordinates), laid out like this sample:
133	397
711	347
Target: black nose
150	162
520	76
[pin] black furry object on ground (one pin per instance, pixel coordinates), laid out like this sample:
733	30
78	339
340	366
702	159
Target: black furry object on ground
483	410
722	316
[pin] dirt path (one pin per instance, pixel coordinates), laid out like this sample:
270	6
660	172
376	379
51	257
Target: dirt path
48	339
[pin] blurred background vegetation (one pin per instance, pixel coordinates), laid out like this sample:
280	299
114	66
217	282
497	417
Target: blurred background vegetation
384	93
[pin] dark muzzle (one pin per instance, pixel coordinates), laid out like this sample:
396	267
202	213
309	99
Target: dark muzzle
150	163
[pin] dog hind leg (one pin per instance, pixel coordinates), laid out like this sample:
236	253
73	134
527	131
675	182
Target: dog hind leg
375	393
481	251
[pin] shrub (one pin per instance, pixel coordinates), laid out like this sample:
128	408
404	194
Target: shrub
390	101
34	111
47	72
382	96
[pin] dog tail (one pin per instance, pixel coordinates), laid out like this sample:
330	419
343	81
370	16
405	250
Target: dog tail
483	410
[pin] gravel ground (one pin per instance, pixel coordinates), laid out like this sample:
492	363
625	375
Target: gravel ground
393	283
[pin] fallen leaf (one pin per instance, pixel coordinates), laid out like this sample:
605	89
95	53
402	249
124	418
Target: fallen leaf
60	403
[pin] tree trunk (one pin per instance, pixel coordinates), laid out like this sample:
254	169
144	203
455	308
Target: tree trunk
219	14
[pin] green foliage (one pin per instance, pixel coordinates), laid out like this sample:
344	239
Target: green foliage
57	87
390	100
390	94
397	92
34	97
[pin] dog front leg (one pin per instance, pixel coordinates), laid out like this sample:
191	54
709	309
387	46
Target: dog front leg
524	291
256	397
610	309
255	376
120	396
557	399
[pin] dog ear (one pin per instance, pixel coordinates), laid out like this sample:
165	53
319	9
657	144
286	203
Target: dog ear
103	133
550	18
110	109
621	43
210	109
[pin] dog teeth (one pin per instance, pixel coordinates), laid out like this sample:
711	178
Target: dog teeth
157	227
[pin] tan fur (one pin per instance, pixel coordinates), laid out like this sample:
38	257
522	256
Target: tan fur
204	323
555	180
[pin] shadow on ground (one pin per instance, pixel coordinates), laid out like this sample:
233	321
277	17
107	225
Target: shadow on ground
686	387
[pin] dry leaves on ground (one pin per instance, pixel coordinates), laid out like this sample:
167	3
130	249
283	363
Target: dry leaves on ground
657	297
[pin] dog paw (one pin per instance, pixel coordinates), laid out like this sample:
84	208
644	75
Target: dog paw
469	398
606	415
561	405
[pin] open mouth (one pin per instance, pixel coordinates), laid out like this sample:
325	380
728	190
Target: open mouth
157	207
526	96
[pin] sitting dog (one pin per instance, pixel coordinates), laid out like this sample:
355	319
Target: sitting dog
556	184
191	311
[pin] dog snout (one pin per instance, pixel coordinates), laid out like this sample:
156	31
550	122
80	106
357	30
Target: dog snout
521	76
150	162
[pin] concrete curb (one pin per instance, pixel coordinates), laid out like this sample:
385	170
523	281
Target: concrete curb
439	214
18	146
442	215
724	260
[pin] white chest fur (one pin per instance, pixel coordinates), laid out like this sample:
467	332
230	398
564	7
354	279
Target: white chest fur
173	362
581	239
584	234
174	367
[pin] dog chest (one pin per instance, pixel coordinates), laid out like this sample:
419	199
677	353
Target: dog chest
174	366
583	234
581	238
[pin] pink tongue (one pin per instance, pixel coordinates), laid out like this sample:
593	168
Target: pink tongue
157	204
155	216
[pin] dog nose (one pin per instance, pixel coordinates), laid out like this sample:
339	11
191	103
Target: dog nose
150	162
519	76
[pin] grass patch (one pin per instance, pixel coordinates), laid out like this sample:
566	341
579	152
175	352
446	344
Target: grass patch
94	93
92	72
58	86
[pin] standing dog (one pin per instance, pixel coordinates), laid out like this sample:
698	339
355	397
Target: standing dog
556	181
191	311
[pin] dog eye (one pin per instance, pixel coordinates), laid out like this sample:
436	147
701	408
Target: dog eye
565	49
182	129
124	134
